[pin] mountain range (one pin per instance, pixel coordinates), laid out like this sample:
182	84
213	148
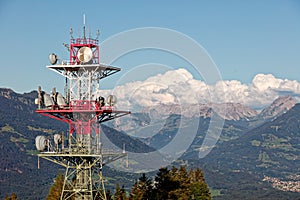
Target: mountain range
148	119
267	154
256	151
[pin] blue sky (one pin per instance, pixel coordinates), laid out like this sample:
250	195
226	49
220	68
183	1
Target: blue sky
243	38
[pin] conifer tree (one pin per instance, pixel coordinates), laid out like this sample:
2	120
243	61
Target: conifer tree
135	193
56	189
142	189
183	190
164	184
199	175
13	196
199	189
120	193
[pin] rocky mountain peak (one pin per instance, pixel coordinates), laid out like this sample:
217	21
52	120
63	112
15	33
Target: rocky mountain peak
237	111
278	107
7	93
228	111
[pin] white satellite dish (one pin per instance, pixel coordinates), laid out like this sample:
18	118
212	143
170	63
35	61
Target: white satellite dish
57	139
53	58
40	143
85	54
60	100
111	100
48	101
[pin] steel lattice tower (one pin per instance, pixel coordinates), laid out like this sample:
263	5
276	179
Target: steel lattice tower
79	150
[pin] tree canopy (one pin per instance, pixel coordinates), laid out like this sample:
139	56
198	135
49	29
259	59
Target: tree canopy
168	184
174	184
56	189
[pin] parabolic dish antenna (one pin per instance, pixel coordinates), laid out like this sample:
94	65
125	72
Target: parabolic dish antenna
85	54
57	139
53	58
111	100
40	143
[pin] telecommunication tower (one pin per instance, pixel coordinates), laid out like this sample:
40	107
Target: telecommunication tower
79	150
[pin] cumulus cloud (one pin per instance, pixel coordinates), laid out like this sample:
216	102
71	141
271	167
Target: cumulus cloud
180	87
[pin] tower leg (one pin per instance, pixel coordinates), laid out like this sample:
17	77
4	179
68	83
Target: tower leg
83	181
100	192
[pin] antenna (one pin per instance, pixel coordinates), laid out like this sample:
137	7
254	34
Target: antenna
67	91
38	162
84	36
71	32
97	34
67	45
83	19
85	54
124	151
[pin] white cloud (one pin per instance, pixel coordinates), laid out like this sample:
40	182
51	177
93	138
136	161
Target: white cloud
264	81
179	87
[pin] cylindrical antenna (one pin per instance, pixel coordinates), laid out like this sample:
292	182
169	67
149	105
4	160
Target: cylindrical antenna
38	162
84	36
39	97
83	19
67	91
71	32
62	140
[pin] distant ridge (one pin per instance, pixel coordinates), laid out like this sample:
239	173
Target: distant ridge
278	107
228	111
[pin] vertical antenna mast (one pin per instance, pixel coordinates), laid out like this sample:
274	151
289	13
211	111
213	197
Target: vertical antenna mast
84	34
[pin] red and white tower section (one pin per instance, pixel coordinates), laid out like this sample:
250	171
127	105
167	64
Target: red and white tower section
79	150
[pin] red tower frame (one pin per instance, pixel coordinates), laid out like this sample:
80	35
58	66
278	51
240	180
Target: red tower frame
76	44
80	149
